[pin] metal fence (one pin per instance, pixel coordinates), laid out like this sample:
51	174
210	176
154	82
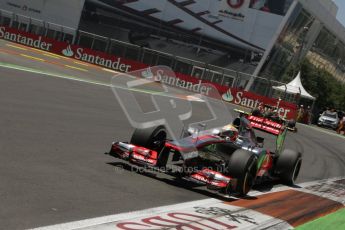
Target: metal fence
38	27
200	70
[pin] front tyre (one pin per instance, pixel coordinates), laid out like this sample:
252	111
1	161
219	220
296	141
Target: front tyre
151	138
154	139
242	167
288	166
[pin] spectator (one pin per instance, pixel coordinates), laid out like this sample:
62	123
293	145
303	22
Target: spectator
300	113
307	116
341	127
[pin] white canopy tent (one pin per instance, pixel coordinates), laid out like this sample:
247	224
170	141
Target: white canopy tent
295	87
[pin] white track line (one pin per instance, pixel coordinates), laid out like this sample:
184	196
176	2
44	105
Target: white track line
73	78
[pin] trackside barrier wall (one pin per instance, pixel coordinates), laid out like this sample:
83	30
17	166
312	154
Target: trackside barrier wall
113	55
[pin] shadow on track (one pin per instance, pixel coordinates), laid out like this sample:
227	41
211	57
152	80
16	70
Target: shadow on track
188	185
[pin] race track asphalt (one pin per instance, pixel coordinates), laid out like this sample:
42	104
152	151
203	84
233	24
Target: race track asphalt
53	135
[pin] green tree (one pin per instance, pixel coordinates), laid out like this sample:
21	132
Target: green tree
328	91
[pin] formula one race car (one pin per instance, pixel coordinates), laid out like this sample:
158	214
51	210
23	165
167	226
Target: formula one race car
230	159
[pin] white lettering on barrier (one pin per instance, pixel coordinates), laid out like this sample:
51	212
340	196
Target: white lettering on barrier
95	59
179	83
79	54
27	41
241	100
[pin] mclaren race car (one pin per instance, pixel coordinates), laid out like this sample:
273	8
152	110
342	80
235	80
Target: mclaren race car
230	159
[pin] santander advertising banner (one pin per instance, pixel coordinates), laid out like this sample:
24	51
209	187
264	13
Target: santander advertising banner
73	51
231	95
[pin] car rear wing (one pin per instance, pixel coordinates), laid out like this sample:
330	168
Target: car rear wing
263	123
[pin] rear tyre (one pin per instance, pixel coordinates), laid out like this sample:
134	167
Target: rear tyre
242	167
288	166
